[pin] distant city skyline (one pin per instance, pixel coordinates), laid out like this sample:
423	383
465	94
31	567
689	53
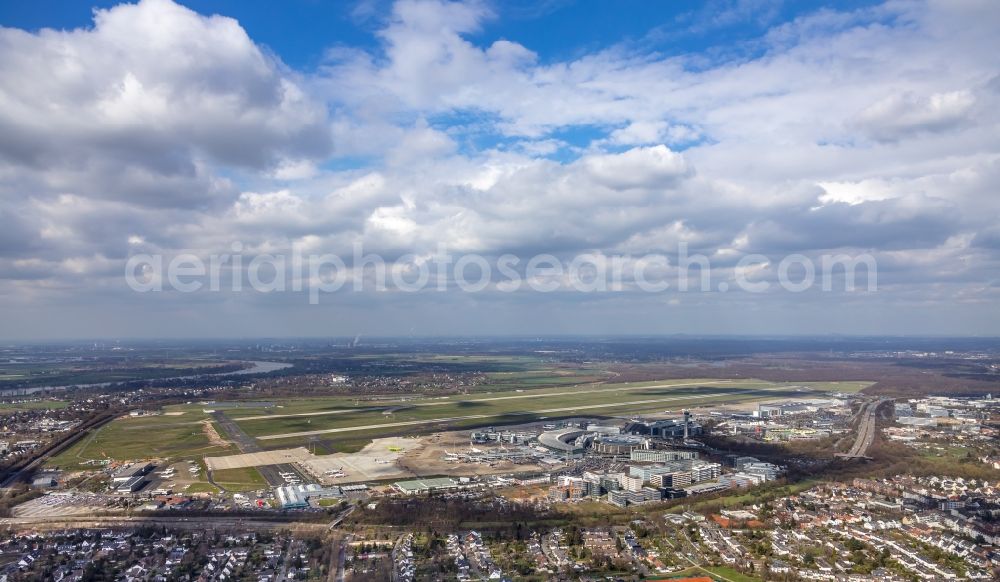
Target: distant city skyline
420	128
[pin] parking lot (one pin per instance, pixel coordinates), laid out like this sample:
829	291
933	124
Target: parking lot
63	505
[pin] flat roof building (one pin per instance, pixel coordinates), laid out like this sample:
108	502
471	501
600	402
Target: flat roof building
414	486
619	444
646	472
298	496
701	488
604	429
660	456
131	485
668	428
126	473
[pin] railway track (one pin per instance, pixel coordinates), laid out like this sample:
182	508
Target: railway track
22	471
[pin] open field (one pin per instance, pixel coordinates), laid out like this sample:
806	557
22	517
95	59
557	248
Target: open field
484	409
245	479
719	573
347	424
33	405
110	369
139	438
543	378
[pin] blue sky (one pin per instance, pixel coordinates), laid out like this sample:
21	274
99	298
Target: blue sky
626	130
300	31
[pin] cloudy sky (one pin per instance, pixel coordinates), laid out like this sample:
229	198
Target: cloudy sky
418	128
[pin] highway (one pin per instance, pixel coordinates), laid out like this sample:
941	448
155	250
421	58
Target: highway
866	431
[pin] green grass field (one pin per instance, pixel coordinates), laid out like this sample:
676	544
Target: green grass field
542	378
338	415
720	573
201	488
140	438
246	479
356	422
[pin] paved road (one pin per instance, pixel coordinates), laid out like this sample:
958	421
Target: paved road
247	444
866	430
193	523
338	561
524	413
340	518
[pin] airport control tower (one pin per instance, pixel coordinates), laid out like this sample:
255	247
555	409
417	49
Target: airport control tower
687	423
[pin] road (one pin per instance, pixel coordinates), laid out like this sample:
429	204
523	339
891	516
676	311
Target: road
286	559
393	574
247	444
192	523
340	518
503	414
866	431
698	553
25	472
338	561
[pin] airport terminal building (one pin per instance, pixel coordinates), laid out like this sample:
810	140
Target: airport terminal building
566	442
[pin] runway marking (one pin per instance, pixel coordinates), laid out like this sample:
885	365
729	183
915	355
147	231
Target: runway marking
524	413
443	402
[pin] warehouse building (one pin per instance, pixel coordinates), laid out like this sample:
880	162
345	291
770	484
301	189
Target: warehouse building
298	496
130	471
131	485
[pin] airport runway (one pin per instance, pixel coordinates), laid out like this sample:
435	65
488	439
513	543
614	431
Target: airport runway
525	413
446	401
247	444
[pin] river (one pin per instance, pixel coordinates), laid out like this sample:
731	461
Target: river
259	367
